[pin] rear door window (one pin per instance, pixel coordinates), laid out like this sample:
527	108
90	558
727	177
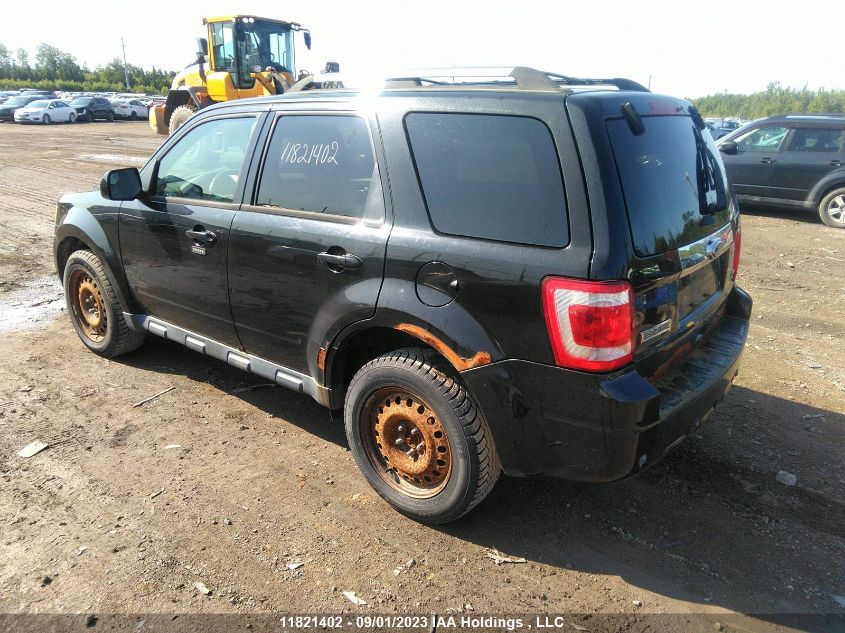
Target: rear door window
490	176
322	164
671	178
815	139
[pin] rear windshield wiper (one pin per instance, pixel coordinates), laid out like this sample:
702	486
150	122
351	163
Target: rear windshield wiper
712	195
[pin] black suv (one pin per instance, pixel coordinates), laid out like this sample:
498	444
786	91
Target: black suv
92	108
793	161
510	275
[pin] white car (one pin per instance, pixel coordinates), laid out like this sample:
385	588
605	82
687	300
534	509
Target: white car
46	111
130	109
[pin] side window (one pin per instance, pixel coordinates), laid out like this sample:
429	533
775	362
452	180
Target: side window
490	176
323	164
223	47
815	140
205	164
761	139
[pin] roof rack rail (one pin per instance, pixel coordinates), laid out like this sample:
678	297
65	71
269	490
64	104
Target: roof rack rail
525	78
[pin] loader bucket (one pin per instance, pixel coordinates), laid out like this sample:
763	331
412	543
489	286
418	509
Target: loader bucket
157	120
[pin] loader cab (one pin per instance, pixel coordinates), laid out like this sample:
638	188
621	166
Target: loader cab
242	45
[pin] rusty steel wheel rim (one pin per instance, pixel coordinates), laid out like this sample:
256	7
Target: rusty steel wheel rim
88	306
406	443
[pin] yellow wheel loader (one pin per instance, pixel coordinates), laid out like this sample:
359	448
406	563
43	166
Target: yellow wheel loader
243	56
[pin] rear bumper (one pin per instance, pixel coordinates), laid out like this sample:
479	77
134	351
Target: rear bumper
587	427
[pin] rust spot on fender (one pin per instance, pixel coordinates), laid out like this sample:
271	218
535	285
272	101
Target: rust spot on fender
321	359
458	362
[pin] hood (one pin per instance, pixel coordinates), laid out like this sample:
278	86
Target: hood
29	109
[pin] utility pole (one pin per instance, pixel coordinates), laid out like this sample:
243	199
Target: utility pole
125	69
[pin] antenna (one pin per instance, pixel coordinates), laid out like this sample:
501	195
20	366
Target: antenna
125	69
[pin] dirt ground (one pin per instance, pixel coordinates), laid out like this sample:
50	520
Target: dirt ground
130	507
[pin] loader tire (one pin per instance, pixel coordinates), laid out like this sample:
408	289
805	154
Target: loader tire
180	115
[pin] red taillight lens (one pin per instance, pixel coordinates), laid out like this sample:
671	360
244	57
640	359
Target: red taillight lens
590	323
737	249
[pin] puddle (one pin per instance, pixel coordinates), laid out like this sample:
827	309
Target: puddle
32	306
113	158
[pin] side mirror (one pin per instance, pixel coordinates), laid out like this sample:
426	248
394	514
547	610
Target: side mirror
332	67
728	147
202	46
308	40
121	184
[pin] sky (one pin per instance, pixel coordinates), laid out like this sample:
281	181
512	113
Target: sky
685	49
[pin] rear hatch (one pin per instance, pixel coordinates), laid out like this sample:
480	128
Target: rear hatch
679	220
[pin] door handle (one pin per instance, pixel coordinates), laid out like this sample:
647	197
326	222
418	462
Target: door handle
345	260
199	234
767	161
835	162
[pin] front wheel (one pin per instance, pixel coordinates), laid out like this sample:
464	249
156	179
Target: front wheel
179	116
110	117
832	208
46	119
418	437
134	115
95	308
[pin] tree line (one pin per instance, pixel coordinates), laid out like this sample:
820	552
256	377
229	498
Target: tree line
776	99
55	69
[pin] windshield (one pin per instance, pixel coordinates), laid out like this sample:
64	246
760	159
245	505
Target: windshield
673	182
81	101
39	104
17	101
268	44
251	47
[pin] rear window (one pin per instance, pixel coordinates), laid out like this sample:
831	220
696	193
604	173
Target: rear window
490	176
672	177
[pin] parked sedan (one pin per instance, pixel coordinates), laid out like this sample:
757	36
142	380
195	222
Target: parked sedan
91	108
130	109
46	111
7	109
792	161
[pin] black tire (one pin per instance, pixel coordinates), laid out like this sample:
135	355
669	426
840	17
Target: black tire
832	208
46	119
134	115
110	117
90	117
116	338
71	117
179	116
474	465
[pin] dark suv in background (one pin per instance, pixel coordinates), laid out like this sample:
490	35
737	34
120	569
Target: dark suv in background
792	161
510	274
91	108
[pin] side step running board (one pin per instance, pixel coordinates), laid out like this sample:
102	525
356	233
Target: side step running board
236	358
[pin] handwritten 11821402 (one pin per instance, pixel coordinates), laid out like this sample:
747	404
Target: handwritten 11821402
320	154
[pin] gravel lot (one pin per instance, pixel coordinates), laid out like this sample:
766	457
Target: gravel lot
209	483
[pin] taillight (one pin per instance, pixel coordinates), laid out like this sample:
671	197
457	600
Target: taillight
737	249
590	323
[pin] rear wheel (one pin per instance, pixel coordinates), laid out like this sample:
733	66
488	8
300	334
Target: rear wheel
180	115
95	308
832	208
71	118
418	436
110	117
